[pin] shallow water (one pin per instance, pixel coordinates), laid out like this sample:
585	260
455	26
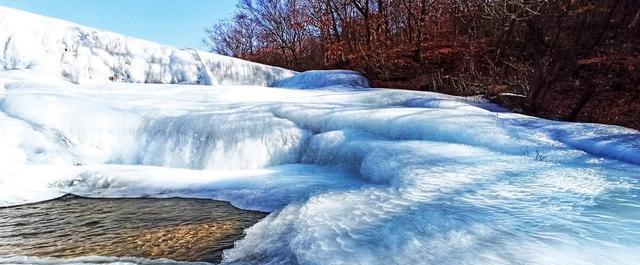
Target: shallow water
72	226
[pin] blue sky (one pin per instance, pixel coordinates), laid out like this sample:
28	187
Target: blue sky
179	23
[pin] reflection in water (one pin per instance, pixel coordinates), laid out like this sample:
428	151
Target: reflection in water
178	229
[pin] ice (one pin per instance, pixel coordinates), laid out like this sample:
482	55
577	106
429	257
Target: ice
495	209
351	175
327	79
86	55
266	189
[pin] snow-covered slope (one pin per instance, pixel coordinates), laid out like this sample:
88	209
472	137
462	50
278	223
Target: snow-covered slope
87	55
351	175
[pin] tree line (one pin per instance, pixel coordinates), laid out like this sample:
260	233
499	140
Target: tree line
534	48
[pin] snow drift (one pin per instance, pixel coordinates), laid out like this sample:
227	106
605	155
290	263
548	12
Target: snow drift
327	79
87	55
351	175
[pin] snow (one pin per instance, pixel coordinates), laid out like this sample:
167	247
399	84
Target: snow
351	175
327	79
85	55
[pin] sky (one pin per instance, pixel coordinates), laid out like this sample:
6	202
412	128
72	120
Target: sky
178	23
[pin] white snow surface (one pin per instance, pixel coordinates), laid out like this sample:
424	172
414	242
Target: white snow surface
350	176
85	55
325	79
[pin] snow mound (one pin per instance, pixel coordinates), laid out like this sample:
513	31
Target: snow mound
87	55
337	79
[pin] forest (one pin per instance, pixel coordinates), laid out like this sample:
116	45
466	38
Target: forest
574	60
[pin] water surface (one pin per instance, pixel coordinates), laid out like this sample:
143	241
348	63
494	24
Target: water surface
72	226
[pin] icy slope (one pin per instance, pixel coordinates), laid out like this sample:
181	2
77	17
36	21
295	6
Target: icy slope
86	55
352	177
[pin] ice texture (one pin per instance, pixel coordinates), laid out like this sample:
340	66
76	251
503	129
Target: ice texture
86	55
326	79
350	175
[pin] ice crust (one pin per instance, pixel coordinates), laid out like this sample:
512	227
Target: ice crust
326	79
353	175
85	55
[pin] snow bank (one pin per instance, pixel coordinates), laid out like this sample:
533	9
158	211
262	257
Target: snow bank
351	177
86	55
327	79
